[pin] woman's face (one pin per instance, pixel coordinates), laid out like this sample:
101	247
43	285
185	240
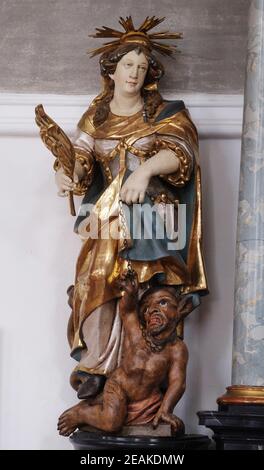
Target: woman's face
130	73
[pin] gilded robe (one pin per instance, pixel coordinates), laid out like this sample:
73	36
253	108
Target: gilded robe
109	154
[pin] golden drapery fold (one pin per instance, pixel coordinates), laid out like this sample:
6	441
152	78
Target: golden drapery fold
99	265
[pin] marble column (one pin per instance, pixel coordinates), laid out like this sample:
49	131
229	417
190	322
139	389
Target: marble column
239	422
248	342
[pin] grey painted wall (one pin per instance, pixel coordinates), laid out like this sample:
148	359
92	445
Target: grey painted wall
44	42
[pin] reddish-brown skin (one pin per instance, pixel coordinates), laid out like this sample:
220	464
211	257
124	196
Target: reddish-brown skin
141	370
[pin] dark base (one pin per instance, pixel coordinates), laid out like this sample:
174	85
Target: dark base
82	440
236	427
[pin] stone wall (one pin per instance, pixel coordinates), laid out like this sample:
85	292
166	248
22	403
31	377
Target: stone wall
43	43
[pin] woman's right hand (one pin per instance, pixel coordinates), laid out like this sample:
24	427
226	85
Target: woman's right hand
64	183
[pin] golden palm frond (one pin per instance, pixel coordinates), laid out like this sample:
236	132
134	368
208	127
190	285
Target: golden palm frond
58	143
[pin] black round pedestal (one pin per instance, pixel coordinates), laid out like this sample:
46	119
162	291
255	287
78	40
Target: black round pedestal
83	440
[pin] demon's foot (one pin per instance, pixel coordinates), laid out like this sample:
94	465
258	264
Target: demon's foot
71	418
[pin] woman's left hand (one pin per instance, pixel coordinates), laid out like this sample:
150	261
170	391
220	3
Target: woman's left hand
134	189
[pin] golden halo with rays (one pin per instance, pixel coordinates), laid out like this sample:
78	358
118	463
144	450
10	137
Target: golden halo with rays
138	36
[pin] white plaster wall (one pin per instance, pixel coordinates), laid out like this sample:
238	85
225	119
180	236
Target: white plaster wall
38	253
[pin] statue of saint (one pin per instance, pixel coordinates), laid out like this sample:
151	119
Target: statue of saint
134	157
